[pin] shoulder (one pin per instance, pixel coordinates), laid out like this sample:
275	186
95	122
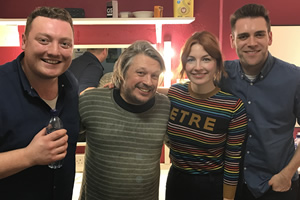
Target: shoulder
95	93
9	70
226	96
231	64
288	73
162	103
285	65
230	101
12	65
180	86
162	97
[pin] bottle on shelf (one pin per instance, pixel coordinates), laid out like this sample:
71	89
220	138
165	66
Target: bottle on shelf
55	123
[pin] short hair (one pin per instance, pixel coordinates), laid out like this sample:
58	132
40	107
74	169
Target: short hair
252	11
96	50
50	12
210	45
124	61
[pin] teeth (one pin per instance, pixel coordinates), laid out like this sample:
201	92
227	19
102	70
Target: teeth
52	61
144	90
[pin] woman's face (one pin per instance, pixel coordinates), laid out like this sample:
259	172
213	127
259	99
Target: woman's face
201	69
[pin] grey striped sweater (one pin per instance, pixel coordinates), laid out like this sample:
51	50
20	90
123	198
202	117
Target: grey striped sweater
122	157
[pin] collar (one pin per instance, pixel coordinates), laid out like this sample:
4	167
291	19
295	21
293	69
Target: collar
264	71
130	107
63	80
202	96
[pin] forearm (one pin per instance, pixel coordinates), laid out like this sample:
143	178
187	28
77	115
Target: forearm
12	162
293	165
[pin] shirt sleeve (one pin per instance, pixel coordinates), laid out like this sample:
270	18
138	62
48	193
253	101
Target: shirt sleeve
90	77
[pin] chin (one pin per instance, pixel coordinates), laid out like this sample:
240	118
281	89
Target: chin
143	99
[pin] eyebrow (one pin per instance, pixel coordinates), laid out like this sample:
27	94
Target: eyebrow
49	36
261	31
247	33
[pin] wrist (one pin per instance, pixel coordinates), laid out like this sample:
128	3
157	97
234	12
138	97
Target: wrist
28	159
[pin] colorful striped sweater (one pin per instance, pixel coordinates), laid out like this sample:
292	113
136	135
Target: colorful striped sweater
206	132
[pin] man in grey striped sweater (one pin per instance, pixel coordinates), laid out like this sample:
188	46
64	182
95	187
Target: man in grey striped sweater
125	129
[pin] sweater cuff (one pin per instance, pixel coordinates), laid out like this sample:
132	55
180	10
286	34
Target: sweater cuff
229	191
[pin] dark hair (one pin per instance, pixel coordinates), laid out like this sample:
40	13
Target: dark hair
210	45
252	11
50	12
124	61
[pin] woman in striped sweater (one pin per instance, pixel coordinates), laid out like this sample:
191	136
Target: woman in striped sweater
206	128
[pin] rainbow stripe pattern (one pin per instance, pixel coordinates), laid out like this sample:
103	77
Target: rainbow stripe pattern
206	134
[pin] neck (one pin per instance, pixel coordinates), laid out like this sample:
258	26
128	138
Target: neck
202	89
47	89
255	69
252	70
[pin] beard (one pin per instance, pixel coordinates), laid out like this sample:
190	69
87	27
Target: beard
132	98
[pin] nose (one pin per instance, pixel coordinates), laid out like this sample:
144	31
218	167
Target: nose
148	80
198	65
252	41
53	49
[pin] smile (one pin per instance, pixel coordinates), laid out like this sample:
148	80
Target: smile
51	61
199	75
144	90
252	52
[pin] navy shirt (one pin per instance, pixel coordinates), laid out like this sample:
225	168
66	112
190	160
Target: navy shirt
272	103
22	115
87	69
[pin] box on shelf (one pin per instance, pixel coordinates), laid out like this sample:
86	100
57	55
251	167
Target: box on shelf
183	8
112	9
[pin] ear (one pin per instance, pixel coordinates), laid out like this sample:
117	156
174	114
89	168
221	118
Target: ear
232	44
270	35
106	51
23	41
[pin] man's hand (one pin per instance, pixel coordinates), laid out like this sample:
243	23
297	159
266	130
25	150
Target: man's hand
109	85
280	182
45	149
42	150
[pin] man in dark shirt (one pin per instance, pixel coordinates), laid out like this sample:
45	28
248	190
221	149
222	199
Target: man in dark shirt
88	69
270	89
32	85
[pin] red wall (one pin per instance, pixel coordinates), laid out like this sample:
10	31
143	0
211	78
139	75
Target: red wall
206	12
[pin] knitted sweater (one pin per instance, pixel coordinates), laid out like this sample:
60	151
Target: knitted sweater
122	158
206	133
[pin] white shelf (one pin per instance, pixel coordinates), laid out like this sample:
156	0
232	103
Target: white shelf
113	21
158	22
